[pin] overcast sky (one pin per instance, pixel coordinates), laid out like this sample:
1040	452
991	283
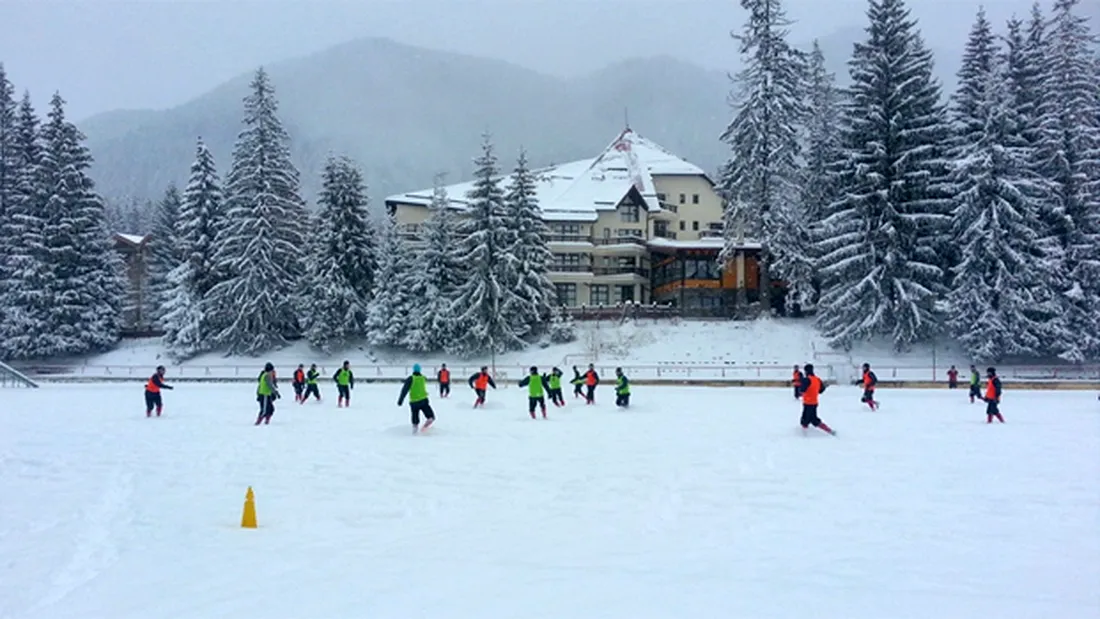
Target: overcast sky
110	54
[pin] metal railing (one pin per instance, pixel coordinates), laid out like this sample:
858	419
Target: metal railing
621	271
569	238
668	371
620	240
570	268
11	377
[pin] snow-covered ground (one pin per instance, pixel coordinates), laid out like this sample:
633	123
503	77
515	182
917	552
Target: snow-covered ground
648	349
696	502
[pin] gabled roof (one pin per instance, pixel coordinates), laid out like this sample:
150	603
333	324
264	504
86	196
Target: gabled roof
578	190
132	239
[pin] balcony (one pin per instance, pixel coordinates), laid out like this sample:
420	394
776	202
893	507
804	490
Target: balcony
668	206
665	234
570	268
569	238
620	240
638	271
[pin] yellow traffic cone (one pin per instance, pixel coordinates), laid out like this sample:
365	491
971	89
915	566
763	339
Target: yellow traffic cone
248	518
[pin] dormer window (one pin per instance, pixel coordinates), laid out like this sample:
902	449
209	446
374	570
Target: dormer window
629	213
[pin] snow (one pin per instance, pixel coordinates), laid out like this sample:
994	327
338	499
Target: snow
577	190
134	239
702	503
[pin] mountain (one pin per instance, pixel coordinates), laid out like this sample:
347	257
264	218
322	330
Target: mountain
406	113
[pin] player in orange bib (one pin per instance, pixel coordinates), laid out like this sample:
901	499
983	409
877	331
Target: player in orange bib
152	392
812	388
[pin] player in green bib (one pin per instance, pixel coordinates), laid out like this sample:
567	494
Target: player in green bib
416	388
622	389
553	387
536	394
311	384
267	391
345	382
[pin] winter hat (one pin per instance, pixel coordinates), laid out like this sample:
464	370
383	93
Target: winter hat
416	368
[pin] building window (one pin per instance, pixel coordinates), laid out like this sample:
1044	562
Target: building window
626	293
694	225
705	268
568	229
695	198
717	227
567	259
600	295
567	294
683	199
632	232
627	262
662	197
682	225
628	213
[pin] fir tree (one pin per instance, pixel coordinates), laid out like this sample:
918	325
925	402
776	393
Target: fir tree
388	316
1069	158
562	327
880	266
485	244
260	249
341	269
86	291
8	174
435	279
166	251
202	215
30	276
761	180
998	305
822	137
187	331
533	295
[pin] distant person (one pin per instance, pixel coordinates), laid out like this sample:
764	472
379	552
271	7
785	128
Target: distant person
444	378
416	387
812	388
993	396
622	389
299	383
975	383
578	383
266	393
311	384
870	381
536	394
591	379
480	383
345	382
152	392
554	387
796	380
952	378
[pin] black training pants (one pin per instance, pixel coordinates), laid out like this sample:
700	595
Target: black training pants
539	401
622	399
809	416
423	406
152	400
444	389
312	390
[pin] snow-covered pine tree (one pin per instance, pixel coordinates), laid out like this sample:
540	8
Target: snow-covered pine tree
484	249
341	265
760	182
28	291
166	252
562	328
186	329
881	270
261	247
822	137
130	216
534	296
87	291
8	172
1069	158
998	305
391	304
435	279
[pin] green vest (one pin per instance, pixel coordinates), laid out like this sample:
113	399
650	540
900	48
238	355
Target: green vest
343	377
418	391
621	387
534	387
555	381
311	377
973	378
263	389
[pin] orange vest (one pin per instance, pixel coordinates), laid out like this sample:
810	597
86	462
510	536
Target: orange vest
152	386
796	378
809	396
444	376
867	384
991	391
482	381
590	377
299	376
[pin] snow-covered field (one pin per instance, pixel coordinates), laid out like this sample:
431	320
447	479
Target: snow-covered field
695	503
648	349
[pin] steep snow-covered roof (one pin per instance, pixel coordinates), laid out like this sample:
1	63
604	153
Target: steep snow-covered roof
134	239
578	190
